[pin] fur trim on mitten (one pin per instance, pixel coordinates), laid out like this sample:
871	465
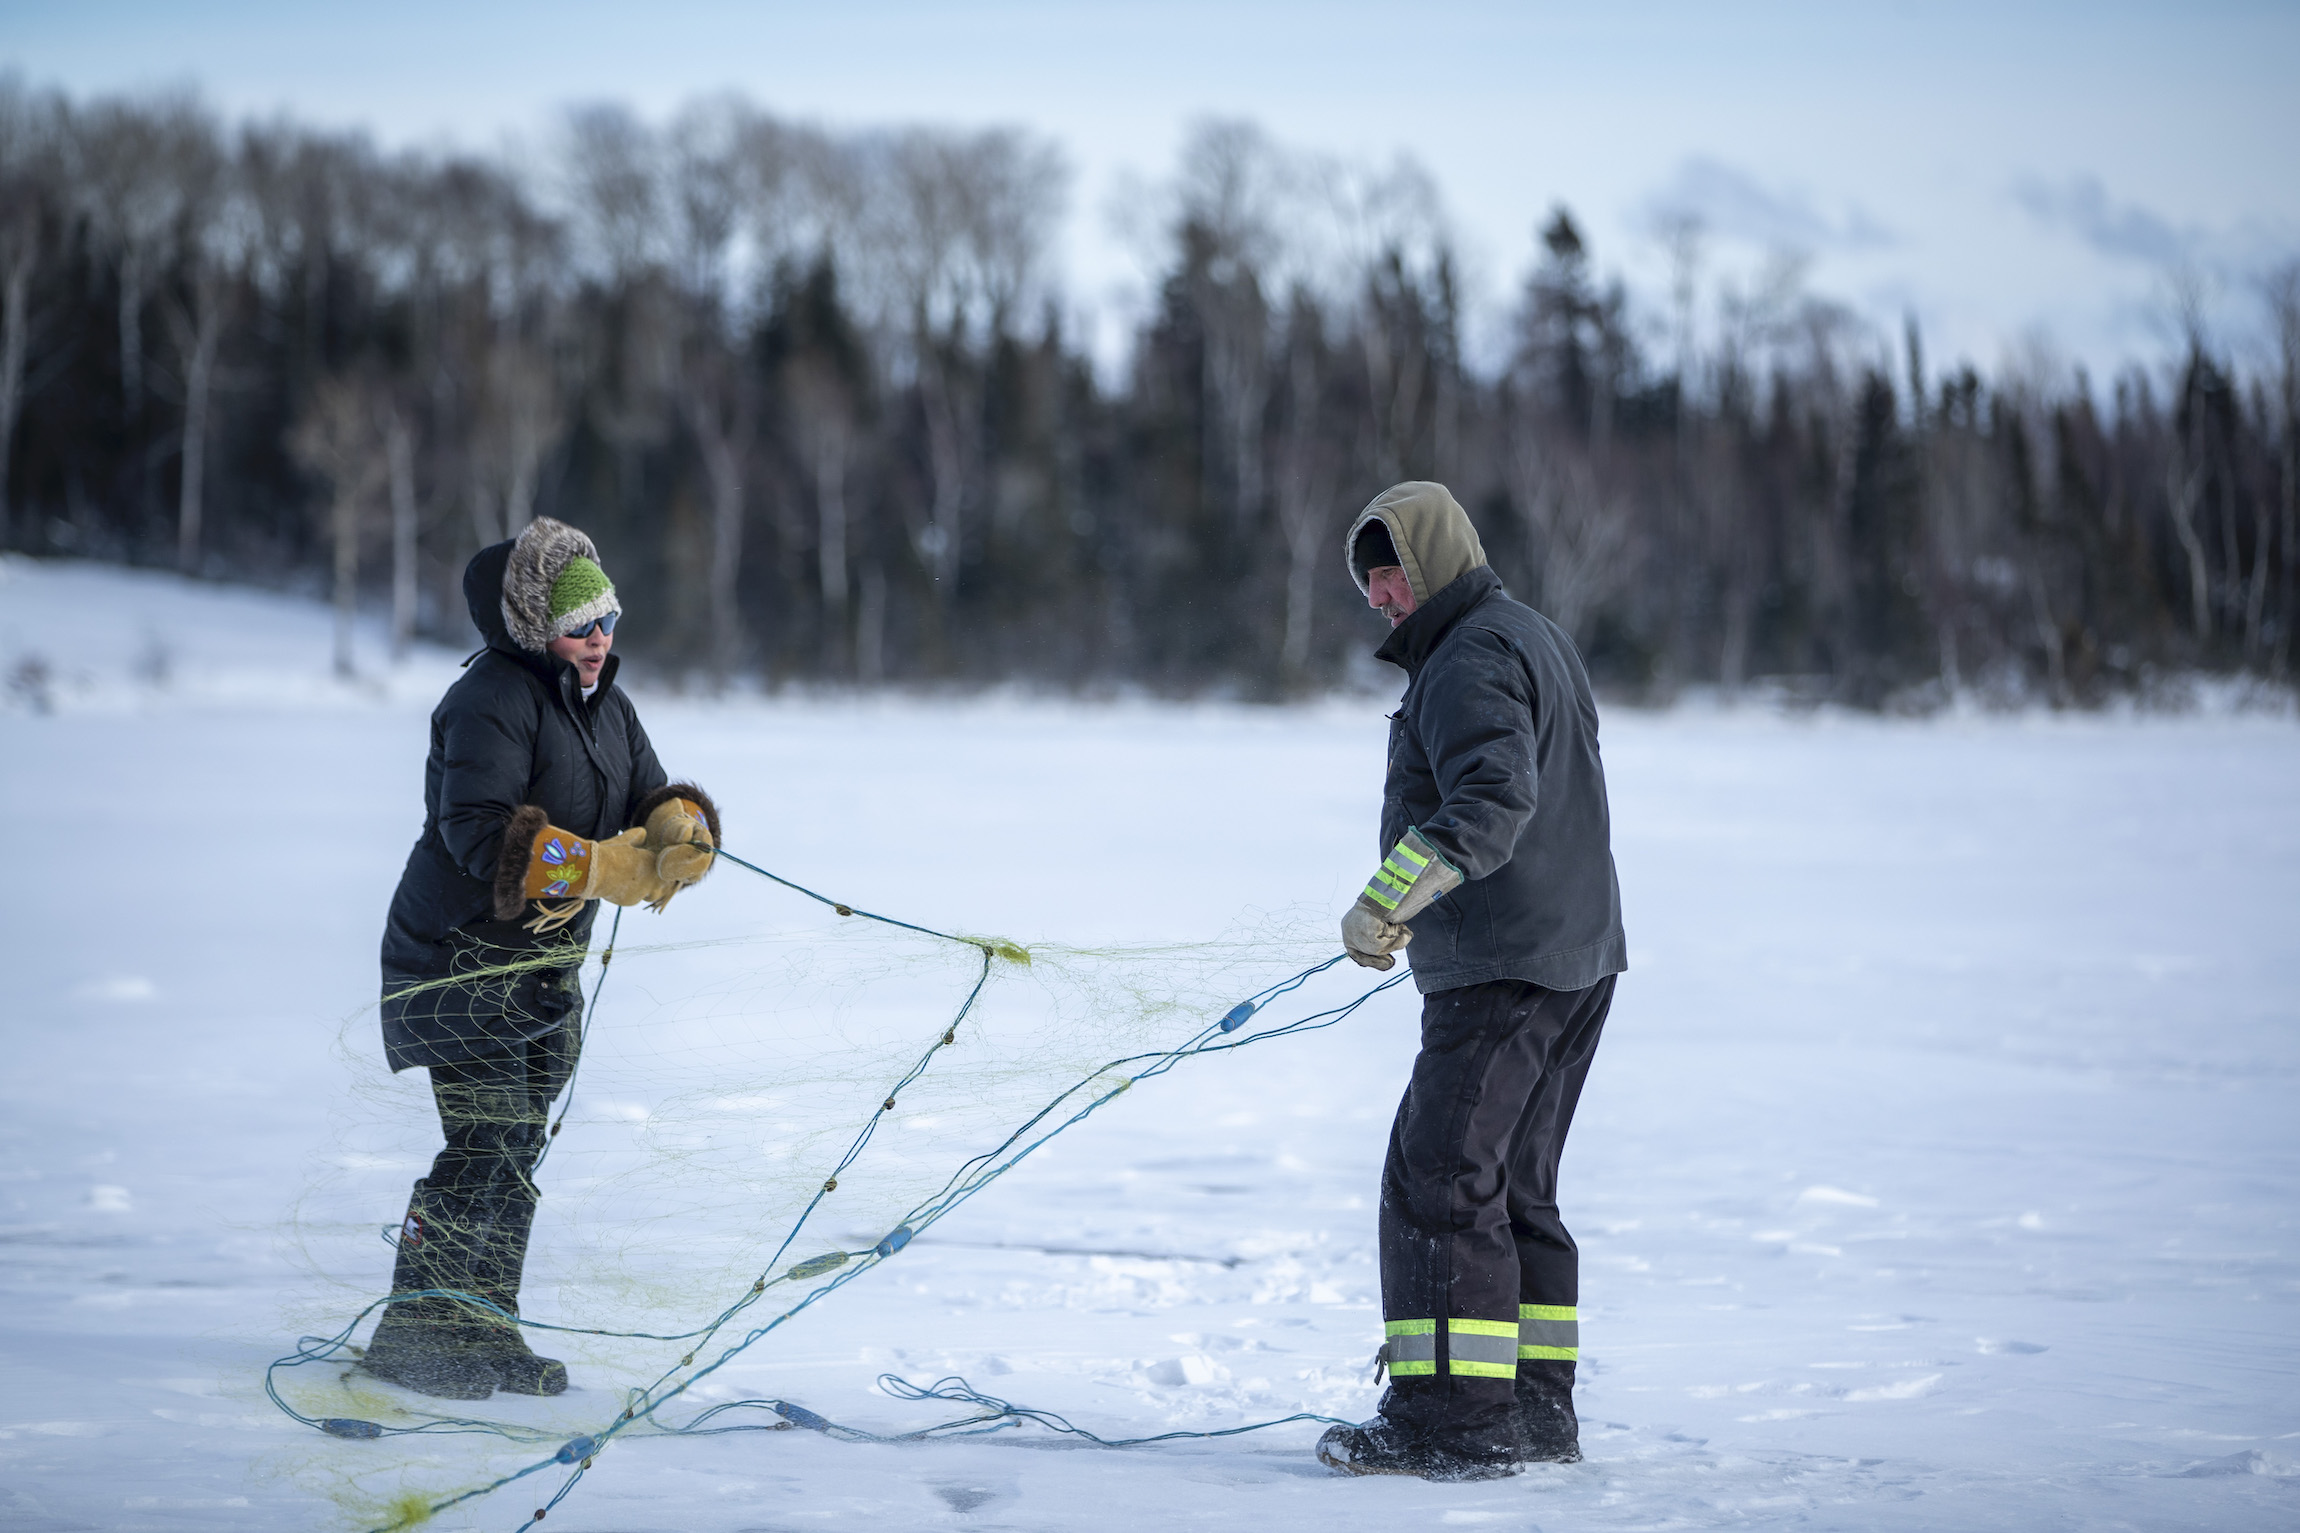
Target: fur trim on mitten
552	864
683	830
519	834
678	790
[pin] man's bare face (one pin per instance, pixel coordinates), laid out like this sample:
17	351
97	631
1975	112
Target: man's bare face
1390	593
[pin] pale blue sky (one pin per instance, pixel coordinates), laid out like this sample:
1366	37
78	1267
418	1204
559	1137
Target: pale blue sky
2004	170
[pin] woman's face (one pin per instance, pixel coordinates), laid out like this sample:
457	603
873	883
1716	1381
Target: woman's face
587	652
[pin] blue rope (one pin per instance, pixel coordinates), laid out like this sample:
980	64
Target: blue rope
639	1416
991	1414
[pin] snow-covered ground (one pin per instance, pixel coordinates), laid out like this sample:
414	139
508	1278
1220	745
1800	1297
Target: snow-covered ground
1937	1170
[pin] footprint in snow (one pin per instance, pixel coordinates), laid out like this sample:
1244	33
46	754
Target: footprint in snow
966	1498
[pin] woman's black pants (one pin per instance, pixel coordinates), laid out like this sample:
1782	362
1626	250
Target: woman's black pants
468	1221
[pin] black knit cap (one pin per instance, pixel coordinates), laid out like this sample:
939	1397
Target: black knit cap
1373	548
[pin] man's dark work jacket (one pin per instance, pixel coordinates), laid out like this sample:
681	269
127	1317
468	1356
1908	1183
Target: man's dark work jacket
1493	754
514	729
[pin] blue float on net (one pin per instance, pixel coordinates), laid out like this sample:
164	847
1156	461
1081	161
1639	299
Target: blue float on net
800	1416
895	1241
350	1426
816	1266
577	1448
1236	1017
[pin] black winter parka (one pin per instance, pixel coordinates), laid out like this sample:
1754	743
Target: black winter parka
1493	754
514	729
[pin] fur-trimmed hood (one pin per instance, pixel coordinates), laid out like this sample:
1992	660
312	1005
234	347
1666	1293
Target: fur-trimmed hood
538	557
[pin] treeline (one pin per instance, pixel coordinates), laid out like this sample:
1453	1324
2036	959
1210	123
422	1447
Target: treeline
816	396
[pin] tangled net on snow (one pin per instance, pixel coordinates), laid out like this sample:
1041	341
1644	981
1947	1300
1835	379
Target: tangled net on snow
756	1121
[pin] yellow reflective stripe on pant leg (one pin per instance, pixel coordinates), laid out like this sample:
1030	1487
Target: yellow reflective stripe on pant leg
1549	1332
1482	1349
1410	1346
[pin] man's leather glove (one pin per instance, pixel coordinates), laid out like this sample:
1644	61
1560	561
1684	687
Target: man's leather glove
542	863
1370	940
1409	879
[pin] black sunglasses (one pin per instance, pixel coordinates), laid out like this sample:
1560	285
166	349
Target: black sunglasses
603	624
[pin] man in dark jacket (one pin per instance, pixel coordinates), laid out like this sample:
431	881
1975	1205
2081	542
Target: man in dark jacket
541	796
1499	872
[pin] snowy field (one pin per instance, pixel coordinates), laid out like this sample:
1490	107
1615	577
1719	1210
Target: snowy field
1938	1169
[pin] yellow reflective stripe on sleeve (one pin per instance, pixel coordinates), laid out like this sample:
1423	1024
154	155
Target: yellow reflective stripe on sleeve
1547	1312
1465	1368
1482	1327
1395	876
1549	1354
1409	1328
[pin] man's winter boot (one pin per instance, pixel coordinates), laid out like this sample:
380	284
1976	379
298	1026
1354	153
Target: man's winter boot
1545	1418
1381	1446
427	1344
495	1277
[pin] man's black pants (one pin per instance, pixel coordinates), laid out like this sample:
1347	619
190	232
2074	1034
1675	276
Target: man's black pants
468	1222
1479	1275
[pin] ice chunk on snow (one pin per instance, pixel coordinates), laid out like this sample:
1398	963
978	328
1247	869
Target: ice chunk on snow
1194	1369
2250	1461
1836	1195
1907	1389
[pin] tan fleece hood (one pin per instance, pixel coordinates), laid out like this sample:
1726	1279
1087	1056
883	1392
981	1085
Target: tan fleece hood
1435	542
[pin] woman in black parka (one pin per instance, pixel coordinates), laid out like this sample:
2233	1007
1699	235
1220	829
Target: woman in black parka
541	797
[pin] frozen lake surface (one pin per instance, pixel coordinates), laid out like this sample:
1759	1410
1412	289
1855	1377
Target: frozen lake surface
1937	1169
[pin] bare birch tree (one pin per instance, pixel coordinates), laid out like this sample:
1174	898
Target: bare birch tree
2283	294
615	182
399	471
1390	242
216	233
1583	538
342	437
824	410
1234	189
134	199
519	422
31	134
959	224
710	171
1308	471
2184	489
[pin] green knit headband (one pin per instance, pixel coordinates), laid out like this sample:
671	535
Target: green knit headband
581	584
